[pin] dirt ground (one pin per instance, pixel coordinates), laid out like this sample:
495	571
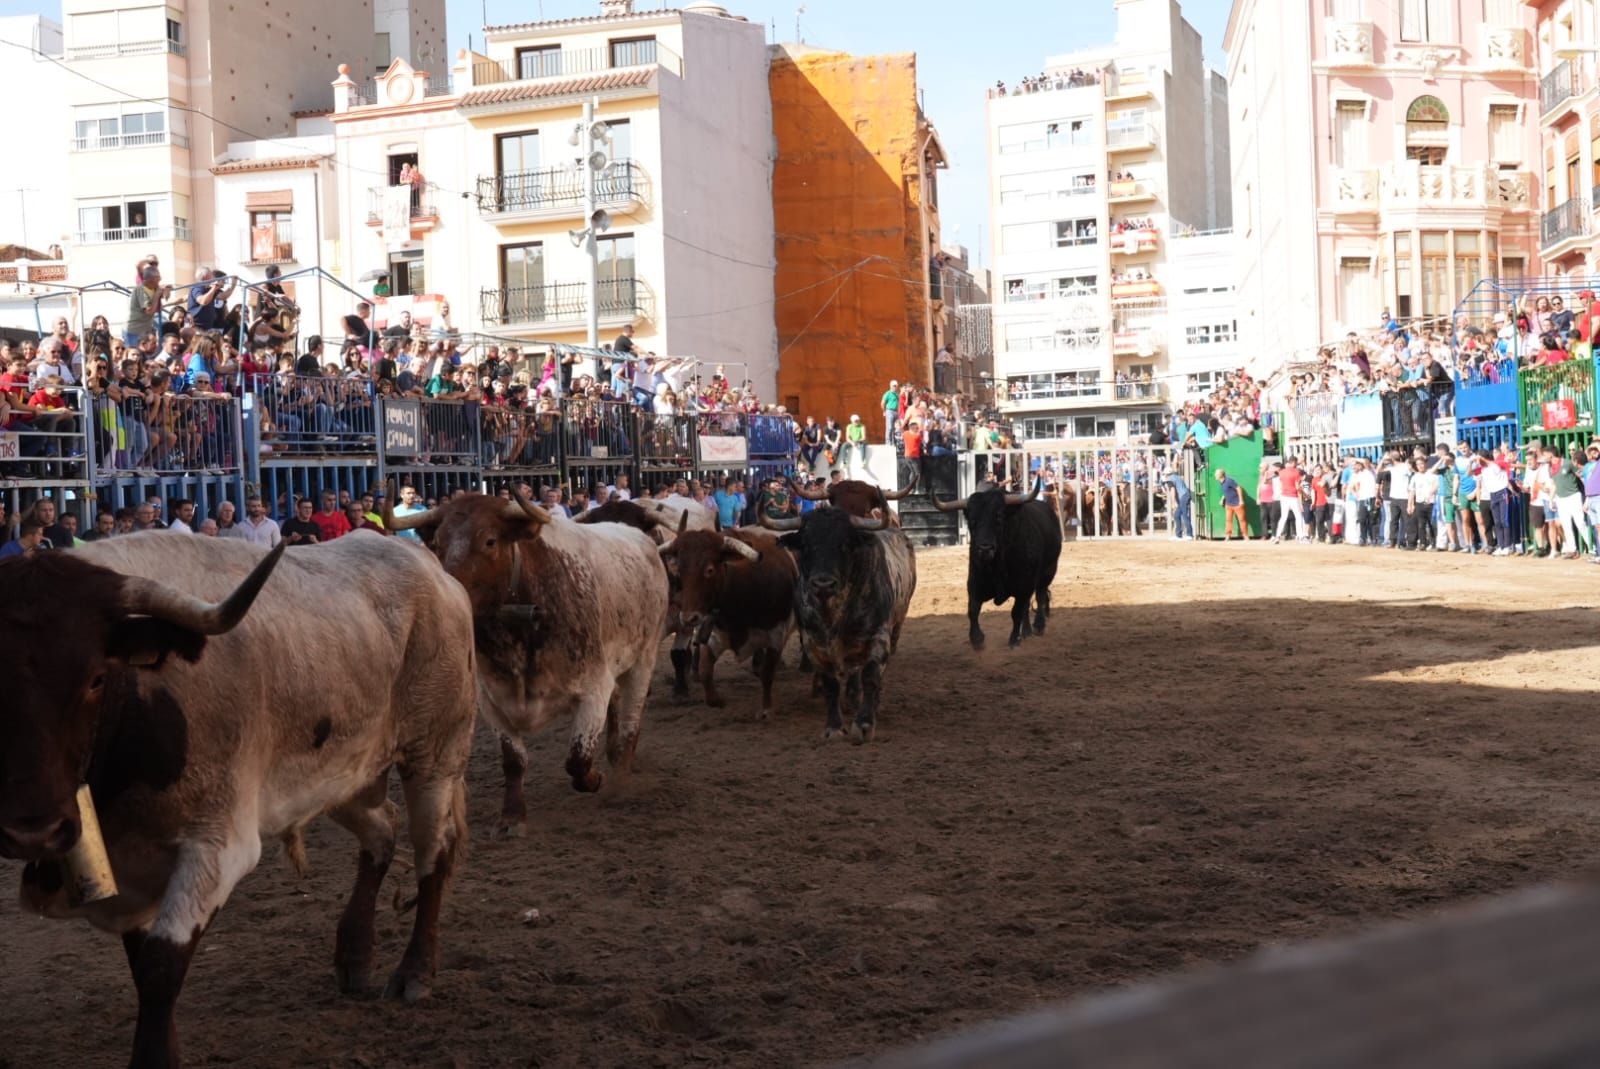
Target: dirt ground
1214	748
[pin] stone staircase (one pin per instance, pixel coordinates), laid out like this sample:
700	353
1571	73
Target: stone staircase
923	524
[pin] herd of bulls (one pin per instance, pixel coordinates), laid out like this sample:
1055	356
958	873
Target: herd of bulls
212	696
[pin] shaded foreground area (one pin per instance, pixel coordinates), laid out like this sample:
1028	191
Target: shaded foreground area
1213	748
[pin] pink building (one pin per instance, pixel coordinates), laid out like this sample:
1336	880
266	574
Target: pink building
1567	35
1384	157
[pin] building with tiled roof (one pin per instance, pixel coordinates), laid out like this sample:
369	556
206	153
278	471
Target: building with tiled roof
495	226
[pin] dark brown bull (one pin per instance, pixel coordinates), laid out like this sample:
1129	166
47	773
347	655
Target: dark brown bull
737	589
858	498
567	621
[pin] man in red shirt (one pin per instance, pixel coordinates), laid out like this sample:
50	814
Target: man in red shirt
331	522
1289	479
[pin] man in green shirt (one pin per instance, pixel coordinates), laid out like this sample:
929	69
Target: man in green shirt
891	410
855	440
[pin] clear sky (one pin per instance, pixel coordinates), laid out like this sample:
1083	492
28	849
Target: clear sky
961	50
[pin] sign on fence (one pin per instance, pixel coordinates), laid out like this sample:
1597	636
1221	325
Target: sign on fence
10	447
723	449
402	432
1560	415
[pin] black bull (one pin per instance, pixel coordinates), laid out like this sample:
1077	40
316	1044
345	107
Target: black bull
1015	550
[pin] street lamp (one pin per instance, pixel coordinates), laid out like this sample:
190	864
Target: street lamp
593	139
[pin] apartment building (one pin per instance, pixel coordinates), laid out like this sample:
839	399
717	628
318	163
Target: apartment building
860	297
1566	49
34	210
1384	158
163	92
493	225
1096	169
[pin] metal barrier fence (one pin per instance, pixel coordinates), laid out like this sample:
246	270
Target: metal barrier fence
1097	491
315	414
1314	416
1489	433
165	434
521	440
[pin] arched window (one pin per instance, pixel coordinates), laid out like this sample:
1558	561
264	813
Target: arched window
1427	131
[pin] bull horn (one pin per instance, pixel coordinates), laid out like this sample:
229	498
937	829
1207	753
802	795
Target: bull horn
744	549
788	523
947	506
809	495
146	597
522	507
898	494
865	524
391	522
668	546
1022	499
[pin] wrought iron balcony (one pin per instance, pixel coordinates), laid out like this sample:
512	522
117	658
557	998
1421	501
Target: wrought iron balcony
1570	220
561	302
1560	85
558	190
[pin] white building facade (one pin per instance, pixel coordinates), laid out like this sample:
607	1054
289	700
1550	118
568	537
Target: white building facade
1094	174
164	90
686	185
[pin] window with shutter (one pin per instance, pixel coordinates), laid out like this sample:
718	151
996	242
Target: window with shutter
1505	141
1350	134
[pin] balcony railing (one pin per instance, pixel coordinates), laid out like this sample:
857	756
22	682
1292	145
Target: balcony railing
1570	220
1410	184
1132	289
1130	135
109	141
125	48
1023	392
423	204
269	243
556	189
1134	241
1128	189
1560	85
560	302
567	62
177	232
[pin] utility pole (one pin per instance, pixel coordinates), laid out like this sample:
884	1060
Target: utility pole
22	206
591	251
593	141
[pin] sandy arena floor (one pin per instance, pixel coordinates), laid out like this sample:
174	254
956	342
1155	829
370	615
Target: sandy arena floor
1213	748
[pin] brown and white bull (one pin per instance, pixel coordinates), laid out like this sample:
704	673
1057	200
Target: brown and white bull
660	526
858	498
212	695
567	621
735	589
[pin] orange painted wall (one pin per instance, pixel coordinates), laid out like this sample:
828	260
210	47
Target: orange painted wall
845	188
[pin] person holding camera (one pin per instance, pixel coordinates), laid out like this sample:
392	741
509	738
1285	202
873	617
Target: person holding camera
144	303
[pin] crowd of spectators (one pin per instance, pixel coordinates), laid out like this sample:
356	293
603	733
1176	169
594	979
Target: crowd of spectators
1044	83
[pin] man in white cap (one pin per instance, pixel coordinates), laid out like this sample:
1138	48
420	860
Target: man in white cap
855	440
